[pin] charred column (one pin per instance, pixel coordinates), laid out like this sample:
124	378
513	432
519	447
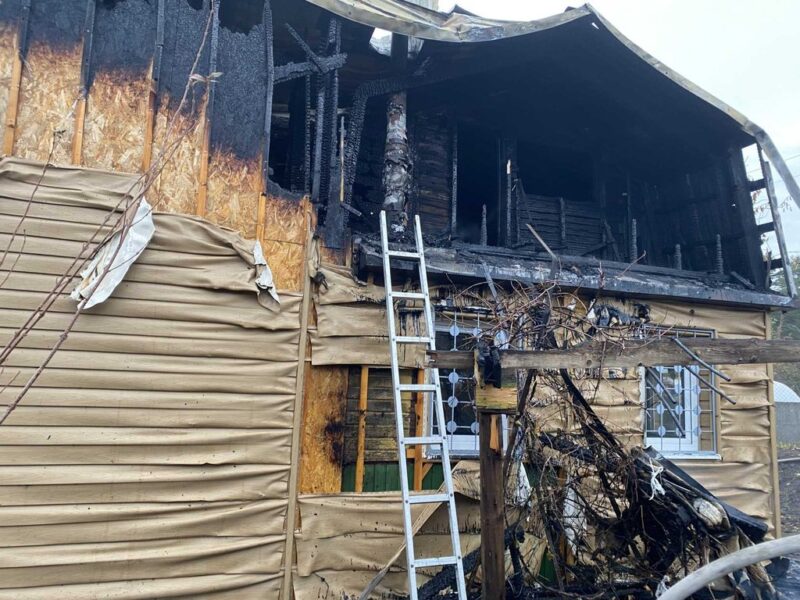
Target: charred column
397	156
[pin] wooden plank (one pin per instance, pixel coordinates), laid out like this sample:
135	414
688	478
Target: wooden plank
635	353
12	110
291	511
419	430
80	109
492	507
362	429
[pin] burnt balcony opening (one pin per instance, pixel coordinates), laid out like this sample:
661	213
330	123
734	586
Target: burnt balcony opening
478	189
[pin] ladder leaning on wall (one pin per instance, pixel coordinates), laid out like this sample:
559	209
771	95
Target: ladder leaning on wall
432	386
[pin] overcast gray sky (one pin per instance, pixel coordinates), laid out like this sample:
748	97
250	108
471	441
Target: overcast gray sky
745	52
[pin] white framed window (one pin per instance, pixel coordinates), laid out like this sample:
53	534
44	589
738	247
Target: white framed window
679	404
459	331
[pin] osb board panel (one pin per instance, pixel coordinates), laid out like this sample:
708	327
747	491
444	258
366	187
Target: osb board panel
283	241
234	186
177	140
323	430
115	121
48	94
286	262
8	33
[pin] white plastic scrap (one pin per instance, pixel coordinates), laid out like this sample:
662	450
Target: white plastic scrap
663	586
264	279
655	484
115	263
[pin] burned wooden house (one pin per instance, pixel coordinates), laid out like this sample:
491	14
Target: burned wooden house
221	425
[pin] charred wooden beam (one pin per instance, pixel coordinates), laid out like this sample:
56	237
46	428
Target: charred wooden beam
85	82
634	353
292	70
12	109
454	184
269	77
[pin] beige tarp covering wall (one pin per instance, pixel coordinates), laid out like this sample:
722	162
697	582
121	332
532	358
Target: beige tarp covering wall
347	538
151	460
351	321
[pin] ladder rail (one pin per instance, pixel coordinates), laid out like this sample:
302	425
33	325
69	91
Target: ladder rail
398	407
433	386
434	374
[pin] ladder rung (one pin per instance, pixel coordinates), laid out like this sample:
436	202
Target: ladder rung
408	295
412	339
438	561
428	440
428	498
403	254
417	387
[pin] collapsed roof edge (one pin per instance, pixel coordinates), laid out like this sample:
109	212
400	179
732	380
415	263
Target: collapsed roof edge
402	17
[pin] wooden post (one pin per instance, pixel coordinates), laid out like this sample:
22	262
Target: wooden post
86	62
419	431
152	96
208	110
492	505
362	429
12	110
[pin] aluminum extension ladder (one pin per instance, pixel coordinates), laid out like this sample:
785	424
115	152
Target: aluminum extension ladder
432	386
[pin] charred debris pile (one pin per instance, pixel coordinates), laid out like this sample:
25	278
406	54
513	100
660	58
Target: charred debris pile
586	514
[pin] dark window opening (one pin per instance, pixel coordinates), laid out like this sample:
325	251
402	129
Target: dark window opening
478	183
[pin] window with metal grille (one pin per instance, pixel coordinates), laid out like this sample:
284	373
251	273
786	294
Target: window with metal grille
679	404
459	331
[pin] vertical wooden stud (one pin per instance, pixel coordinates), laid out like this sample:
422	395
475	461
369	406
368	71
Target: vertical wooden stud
363	391
12	109
86	65
152	98
419	449
208	109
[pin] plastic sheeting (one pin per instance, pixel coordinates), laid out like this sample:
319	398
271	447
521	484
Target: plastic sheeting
151	460
347	538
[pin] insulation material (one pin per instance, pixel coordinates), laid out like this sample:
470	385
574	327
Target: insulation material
115	121
346	539
48	97
152	458
115	257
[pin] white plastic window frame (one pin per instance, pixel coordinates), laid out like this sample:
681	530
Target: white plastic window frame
460	444
681	447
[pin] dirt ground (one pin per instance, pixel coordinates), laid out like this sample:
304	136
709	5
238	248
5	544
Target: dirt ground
790	490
